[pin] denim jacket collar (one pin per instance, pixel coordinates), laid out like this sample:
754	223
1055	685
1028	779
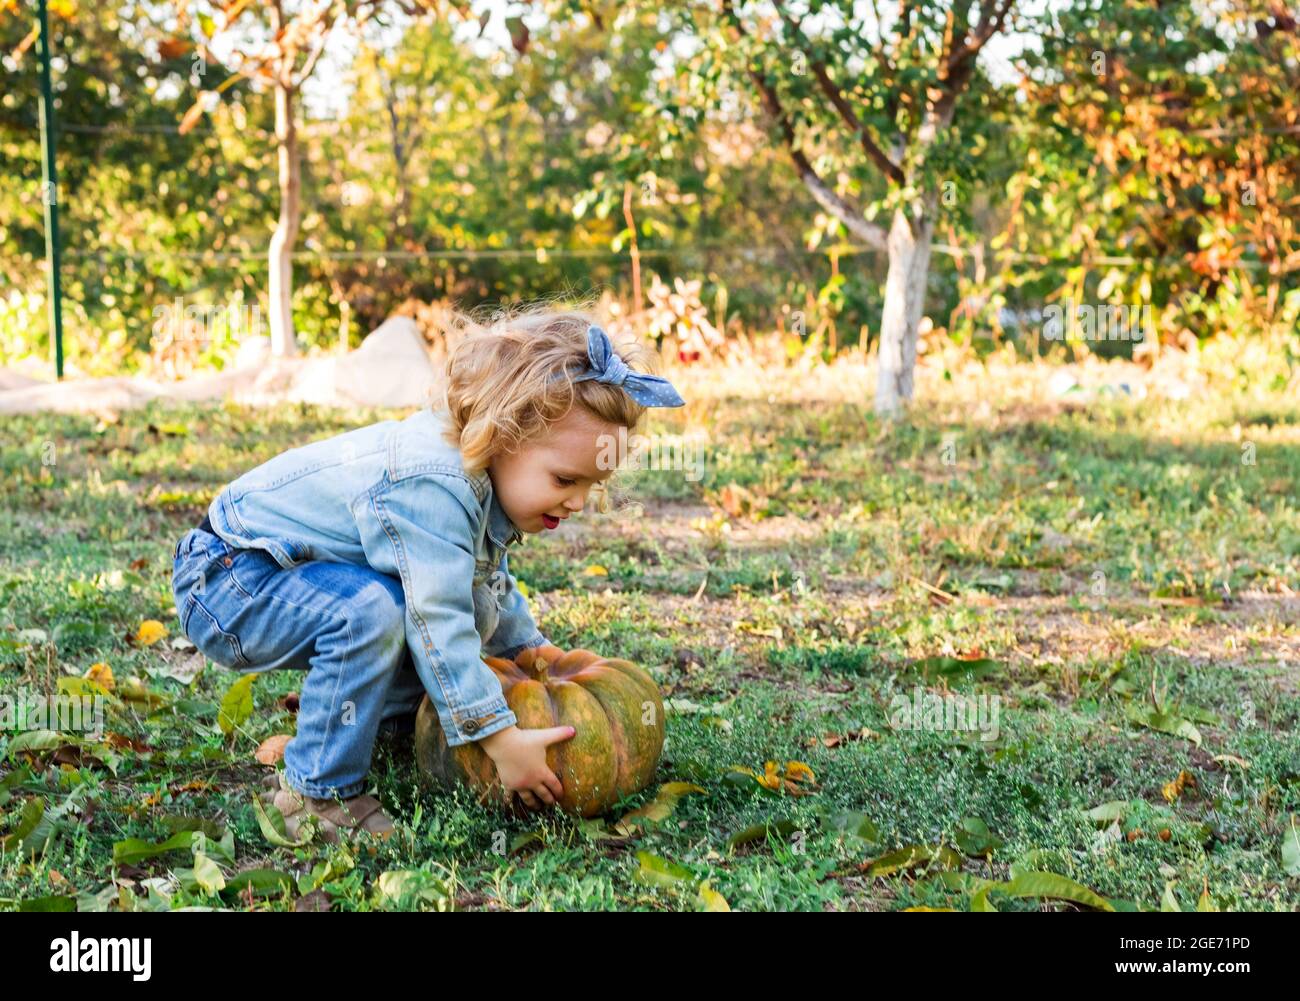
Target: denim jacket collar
501	530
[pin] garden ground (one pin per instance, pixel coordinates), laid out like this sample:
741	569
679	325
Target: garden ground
1111	574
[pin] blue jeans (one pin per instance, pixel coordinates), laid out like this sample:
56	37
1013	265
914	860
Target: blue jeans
342	623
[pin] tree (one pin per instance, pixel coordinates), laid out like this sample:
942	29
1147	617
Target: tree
134	196
1167	133
873	110
278	46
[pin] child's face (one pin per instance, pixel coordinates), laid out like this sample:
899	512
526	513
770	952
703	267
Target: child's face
548	479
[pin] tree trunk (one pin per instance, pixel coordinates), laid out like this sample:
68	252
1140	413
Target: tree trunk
909	265
283	343
401	156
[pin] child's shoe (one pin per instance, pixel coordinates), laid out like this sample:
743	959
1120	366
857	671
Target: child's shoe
360	814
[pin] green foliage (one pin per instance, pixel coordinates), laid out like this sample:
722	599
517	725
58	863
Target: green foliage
1165	173
1163	166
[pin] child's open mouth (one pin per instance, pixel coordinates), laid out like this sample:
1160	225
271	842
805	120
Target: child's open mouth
549	522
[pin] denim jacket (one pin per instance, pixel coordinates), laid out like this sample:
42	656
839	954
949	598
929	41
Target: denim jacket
395	495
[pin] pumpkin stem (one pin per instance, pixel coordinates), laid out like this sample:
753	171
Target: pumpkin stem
539	669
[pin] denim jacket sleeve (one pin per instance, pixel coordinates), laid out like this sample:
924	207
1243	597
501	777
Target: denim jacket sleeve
424	535
516	630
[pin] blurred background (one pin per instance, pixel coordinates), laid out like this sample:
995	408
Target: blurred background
676	161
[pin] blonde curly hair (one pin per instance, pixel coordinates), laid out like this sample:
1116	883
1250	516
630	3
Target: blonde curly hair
506	379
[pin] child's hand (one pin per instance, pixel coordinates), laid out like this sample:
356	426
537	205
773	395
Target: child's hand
520	759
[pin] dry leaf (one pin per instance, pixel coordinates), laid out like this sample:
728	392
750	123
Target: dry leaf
271	750
123	742
1172	790
150	632
194	785
101	674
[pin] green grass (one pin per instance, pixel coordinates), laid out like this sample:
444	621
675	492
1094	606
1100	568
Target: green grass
1096	567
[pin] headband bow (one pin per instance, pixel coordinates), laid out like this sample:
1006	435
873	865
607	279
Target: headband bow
608	367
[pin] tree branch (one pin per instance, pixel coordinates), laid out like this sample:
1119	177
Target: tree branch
961	60
877	156
826	196
955	71
325	33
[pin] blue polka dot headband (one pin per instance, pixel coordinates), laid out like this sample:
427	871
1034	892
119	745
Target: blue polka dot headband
606	366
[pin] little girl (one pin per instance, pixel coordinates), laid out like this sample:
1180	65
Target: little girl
376	560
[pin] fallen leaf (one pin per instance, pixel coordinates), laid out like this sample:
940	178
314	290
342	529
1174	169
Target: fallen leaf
271	750
126	743
150	632
711	900
909	858
1291	848
1172	790
660	808
1053	886
236	704
102	674
656	871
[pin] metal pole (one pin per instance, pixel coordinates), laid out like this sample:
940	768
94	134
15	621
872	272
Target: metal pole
50	194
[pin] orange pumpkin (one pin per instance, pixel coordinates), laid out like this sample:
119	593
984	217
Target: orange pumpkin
613	706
